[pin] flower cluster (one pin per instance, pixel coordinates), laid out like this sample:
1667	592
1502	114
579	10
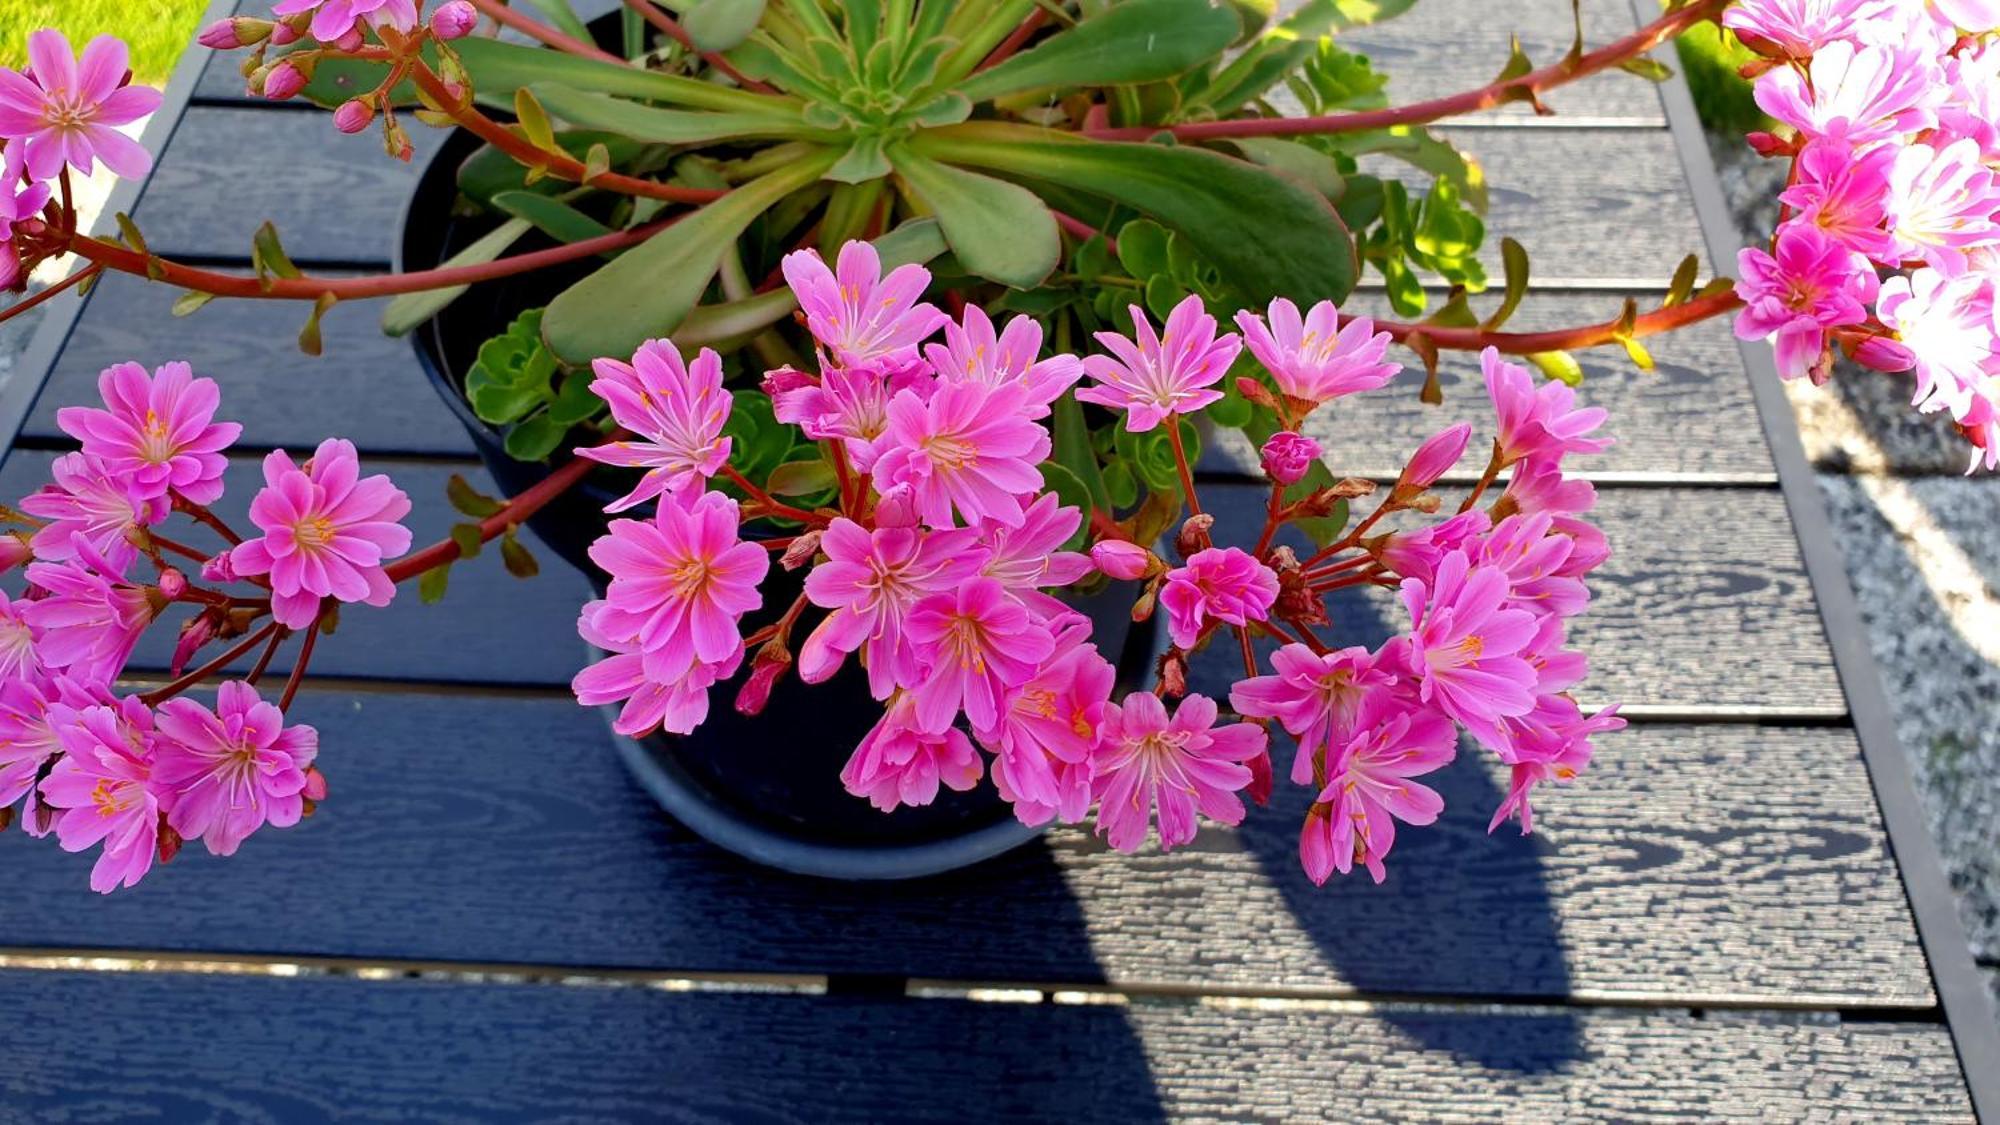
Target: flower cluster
138	773
939	547
1889	241
62	112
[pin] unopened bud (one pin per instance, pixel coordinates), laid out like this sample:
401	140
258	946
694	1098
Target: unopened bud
1128	562
1255	392
218	569
234	32
173	584
199	630
1297	600
1770	144
354	116
1287	457
1259	789
1880	353
780	380
453	20
765	672
801	551
315	789
170	843
1193	535
350	40
395	141
1428	503
1434	458
285	32
281	82
1142	609
14	550
1173	673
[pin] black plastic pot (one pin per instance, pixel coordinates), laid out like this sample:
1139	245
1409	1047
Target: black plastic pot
766	788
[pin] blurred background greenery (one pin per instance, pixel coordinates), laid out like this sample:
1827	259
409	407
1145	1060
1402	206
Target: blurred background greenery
156	30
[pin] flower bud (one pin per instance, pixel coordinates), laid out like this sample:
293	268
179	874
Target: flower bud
1128	562
779	380
1288	456
1434	458
765	672
218	569
170	842
14	550
173	583
1255	392
801	551
1193	535
315	789
1259	789
350	40
396	142
1880	353
234	32
1173	673
1142	610
281	82
286	33
1770	144
199	630
353	116
897	507
453	20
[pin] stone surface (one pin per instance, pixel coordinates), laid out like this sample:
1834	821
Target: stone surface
1924	557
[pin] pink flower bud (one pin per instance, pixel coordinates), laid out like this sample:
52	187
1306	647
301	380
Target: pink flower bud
765	672
236	31
173	584
350	40
315	789
453	20
353	116
1435	457
283	81
218	569
1880	353
1127	562
1770	144
14	551
169	844
284	34
1287	457
801	551
897	507
197	632
779	380
1259	789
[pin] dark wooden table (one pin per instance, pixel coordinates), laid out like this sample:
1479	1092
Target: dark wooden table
1729	916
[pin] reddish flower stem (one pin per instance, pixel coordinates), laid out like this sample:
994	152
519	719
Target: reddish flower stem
298	675
1486	479
177	547
208	519
517	511
765	500
1173	425
1014	41
21	306
508	17
672	27
1527	86
153	698
1083	230
1565	339
270	650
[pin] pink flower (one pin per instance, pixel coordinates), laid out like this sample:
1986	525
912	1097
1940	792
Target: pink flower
1026	557
1287	457
1356	814
1219	583
1845	194
1127	562
1855	94
334	20
972	354
91	503
1538	423
1161	375
899	763
1812	284
1534	556
1970	15
18	201
1799	28
29	713
871	580
1550	743
90	619
979	645
1416	554
677	410
64	109
1543	488
677	703
1317	698
1972	108
1947	323
1313	358
971	447
1465	641
1181	765
850	405
18	656
1043	739
861	317
157	430
680	583
1941	203
326	532
1435	457
232	770
105	786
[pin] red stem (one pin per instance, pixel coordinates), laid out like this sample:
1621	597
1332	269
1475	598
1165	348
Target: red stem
508	17
21	306
299	667
668	24
1014	40
154	697
270	650
517	510
1527	86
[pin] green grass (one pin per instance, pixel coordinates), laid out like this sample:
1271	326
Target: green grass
156	30
1710	57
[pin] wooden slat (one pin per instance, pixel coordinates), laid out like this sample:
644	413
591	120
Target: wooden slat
1564	194
457	640
119	1045
1710	864
282	396
1691	419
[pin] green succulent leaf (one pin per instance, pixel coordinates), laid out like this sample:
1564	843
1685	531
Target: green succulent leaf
564	17
718	25
1425	151
998	230
648	290
406	312
1142	248
1514	259
667	126
866	159
1136	41
1267	235
552	217
801	478
1072	493
489	171
535	438
1303	163
499	68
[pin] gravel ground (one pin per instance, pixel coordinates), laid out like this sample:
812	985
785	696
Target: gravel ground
1922	544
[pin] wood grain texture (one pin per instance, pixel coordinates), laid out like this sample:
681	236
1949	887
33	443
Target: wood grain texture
1705	864
1690	418
461	639
307	1050
370	382
333	197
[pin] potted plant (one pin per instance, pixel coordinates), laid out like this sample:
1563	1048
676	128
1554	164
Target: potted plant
871	347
